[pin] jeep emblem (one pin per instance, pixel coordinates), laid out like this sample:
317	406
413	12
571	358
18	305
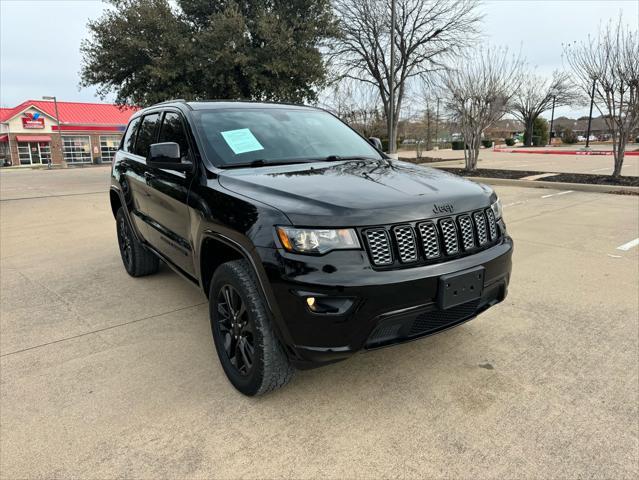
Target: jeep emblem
443	208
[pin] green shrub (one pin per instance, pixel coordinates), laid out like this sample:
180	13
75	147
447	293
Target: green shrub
487	143
569	136
539	133
510	142
457	144
637	140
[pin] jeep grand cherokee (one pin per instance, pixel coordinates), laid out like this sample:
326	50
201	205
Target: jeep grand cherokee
310	243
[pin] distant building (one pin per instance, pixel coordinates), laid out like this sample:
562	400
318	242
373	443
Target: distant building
90	133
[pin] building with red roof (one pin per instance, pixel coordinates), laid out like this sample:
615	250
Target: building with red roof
37	132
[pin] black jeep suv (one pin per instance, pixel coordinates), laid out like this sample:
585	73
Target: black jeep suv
309	242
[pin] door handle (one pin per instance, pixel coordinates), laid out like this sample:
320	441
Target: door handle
148	177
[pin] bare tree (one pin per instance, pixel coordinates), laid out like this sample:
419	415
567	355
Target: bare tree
427	33
477	93
356	103
536	95
611	62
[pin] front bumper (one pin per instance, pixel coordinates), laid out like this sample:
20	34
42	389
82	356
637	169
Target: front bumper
388	307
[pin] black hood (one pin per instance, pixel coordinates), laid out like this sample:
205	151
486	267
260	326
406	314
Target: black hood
356	192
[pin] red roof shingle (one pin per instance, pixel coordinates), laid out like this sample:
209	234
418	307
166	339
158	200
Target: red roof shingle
76	113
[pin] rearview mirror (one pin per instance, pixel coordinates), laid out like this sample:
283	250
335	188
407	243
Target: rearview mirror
376	142
167	156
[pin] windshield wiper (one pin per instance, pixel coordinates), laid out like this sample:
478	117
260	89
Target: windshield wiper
261	163
338	158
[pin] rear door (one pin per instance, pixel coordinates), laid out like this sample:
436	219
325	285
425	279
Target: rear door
129	171
167	201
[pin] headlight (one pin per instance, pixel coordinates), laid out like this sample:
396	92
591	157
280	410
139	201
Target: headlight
310	240
496	208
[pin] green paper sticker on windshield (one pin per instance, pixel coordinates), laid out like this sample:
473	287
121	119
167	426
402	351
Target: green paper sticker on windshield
241	141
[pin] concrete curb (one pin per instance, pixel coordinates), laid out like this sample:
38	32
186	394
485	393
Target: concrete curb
579	187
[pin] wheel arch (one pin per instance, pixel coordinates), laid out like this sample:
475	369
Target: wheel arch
216	249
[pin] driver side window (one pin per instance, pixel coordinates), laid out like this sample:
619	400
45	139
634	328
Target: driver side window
172	130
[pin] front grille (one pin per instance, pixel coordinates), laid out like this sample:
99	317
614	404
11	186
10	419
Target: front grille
430	241
449	231
430	322
406	246
379	247
480	226
466	230
492	224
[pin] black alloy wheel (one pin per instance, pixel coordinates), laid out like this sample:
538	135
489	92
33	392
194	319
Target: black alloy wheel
125	241
237	329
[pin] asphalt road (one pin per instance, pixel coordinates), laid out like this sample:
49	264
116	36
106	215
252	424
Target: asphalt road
104	376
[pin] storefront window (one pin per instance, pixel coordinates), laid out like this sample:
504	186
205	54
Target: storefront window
34	153
77	149
108	146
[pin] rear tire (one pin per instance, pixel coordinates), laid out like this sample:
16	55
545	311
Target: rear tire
138	260
252	357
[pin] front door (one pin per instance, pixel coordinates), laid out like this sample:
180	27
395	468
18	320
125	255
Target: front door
34	153
167	203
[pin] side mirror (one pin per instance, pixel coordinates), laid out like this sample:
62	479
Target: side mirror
167	156
376	142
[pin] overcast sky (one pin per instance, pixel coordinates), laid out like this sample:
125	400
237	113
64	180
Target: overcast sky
40	39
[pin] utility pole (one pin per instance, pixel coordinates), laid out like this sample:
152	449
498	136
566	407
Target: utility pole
592	101
391	85
552	118
57	117
437	124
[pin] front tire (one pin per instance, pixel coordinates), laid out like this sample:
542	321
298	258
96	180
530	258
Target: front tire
252	357
138	261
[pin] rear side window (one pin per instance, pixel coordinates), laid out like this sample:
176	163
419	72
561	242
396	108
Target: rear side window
172	130
129	137
146	134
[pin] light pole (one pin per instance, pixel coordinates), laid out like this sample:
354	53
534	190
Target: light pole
391	85
57	117
552	118
592	101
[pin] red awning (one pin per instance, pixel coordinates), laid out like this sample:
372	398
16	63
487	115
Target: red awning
33	138
4	138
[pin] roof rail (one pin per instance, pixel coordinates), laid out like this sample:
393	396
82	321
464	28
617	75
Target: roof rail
174	100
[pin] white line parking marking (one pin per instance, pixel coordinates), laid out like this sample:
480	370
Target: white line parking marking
514	203
556	194
627	246
600	169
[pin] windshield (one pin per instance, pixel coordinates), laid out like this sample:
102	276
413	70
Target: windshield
272	135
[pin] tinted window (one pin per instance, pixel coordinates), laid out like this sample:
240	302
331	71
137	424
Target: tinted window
172	130
272	134
146	134
129	138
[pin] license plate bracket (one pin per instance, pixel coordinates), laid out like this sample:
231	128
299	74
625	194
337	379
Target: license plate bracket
460	287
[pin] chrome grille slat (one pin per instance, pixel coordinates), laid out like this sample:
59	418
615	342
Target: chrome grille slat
449	233
430	241
480	227
466	231
492	224
406	246
379	246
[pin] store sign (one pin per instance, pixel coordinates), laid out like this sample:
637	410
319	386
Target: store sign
32	120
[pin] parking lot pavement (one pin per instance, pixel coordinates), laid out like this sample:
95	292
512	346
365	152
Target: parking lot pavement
591	164
105	376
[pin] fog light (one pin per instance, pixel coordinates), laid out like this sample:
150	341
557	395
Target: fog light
329	305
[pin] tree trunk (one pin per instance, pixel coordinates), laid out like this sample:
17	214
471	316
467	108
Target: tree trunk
529	132
619	151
